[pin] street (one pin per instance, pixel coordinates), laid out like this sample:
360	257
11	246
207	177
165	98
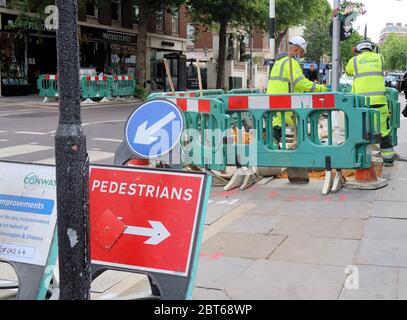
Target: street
27	130
272	241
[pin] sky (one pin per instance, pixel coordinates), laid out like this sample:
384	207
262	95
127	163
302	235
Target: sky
380	12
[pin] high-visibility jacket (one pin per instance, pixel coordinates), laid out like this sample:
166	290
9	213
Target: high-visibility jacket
368	80
279	83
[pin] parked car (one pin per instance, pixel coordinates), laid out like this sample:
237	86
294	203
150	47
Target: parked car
394	80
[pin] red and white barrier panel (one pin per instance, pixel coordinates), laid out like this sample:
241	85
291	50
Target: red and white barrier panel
123	78
96	78
190	105
51	77
317	101
182	94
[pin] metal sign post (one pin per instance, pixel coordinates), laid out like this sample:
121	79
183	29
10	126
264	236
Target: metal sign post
272	32
336	48
72	166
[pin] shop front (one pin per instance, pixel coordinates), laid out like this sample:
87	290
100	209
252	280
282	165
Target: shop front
171	50
108	52
24	55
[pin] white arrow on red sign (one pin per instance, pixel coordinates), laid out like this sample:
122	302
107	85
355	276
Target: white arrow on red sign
158	233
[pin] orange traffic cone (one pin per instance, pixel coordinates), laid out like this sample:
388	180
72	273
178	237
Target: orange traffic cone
138	162
366	179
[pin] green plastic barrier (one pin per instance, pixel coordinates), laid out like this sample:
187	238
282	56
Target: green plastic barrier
189	94
310	152
48	85
123	86
244	91
394	107
202	146
96	87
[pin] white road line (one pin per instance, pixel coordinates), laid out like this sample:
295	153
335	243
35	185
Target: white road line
102	122
3	131
107	139
22	149
32	133
93	155
3	140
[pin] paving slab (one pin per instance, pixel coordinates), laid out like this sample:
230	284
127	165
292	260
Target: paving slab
382	252
252	246
273	280
389	209
393	192
385	228
252	223
209	294
216	274
320	227
374	283
402	284
325	209
322	251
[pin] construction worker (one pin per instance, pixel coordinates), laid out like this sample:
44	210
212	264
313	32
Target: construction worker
367	69
279	83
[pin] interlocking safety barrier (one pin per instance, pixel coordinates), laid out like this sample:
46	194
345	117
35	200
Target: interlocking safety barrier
308	151
48	85
213	144
123	86
96	87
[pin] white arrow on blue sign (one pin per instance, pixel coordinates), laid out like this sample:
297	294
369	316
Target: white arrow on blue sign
154	128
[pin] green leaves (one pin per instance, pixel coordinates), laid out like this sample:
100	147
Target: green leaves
394	51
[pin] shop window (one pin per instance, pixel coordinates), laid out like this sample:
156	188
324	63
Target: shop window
159	21
91	8
175	21
116	10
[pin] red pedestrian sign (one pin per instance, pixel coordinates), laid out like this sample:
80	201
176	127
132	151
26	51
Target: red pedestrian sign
145	219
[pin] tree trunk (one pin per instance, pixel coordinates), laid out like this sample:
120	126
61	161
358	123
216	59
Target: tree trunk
220	83
142	43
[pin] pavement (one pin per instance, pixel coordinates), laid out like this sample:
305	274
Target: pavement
282	241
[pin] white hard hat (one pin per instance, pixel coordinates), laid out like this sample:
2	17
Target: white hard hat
364	45
299	41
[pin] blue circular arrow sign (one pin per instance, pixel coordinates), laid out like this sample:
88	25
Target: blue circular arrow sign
154	129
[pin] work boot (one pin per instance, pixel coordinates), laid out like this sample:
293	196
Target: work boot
388	164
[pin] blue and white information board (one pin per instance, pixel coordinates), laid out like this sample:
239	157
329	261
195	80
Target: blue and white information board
154	129
28	212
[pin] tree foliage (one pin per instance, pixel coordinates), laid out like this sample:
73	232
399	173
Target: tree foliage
224	13
394	51
317	31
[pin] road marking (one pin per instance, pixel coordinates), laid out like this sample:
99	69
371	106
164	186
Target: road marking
32	133
94	156
22	149
3	131
107	140
3	140
102	122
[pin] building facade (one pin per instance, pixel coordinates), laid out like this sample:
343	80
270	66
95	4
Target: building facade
397	28
108	44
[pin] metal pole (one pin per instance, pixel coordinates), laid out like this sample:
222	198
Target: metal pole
336	49
72	166
251	60
272	32
366	31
